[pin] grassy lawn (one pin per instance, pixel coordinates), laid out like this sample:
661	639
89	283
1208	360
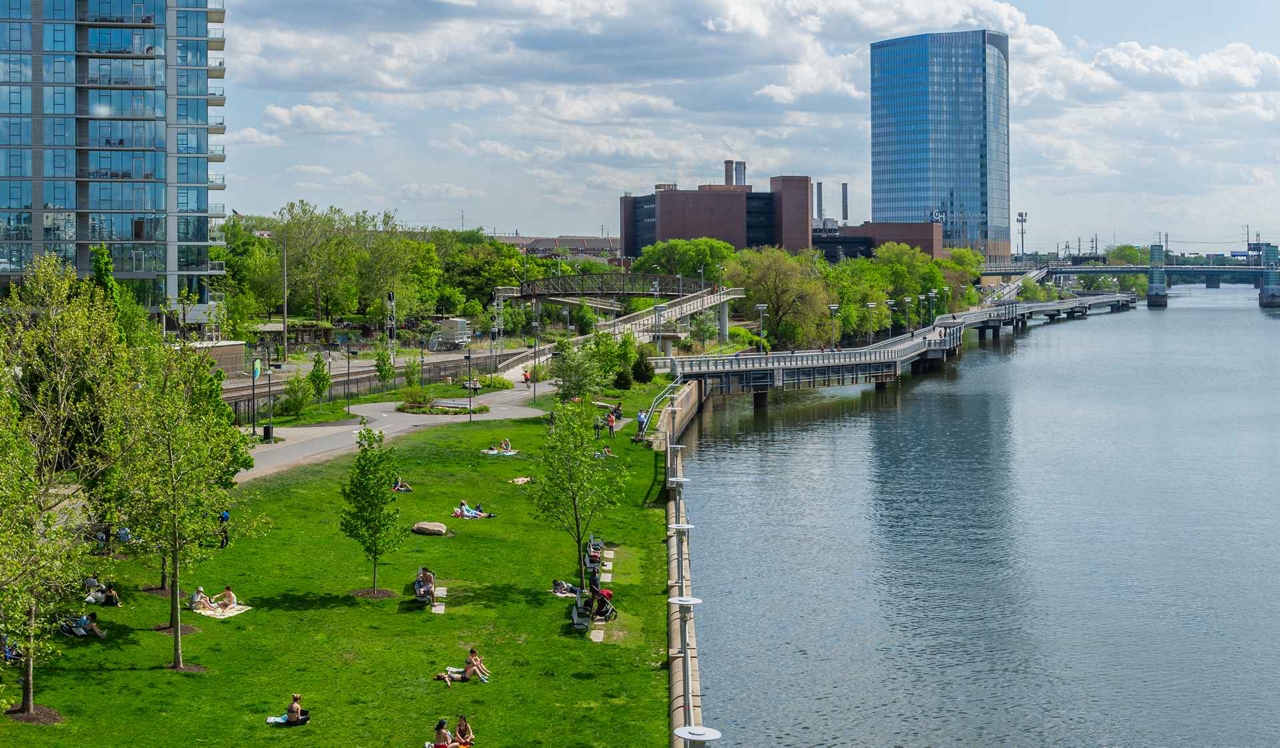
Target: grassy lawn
335	411
364	667
639	397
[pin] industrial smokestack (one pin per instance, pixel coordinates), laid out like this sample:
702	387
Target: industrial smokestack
728	171
740	172
821	215
844	202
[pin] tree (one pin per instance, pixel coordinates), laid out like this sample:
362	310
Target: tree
371	517
580	374
383	364
298	392
66	399
687	257
791	286
185	467
319	376
642	370
575	488
703	325
622	380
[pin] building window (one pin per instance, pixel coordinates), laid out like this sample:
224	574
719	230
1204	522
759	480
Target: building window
15	37
59	100
59	131
60	227
59	37
16	8
60	195
15	195
59	163
59	68
15	131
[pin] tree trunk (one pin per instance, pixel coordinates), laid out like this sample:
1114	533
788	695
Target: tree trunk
175	616
164	576
582	568
29	668
375	576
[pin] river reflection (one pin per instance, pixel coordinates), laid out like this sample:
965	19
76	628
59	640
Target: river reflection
1066	539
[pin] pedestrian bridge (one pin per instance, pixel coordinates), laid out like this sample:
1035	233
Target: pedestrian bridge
879	365
605	285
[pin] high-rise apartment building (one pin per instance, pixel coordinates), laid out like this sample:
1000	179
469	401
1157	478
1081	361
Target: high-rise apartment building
105	126
940	136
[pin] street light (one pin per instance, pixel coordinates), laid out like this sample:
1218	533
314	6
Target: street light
566	321
906	311
761	308
534	375
871	321
835	308
892	309
932	295
470	391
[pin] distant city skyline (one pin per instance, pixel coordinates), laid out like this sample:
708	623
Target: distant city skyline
535	115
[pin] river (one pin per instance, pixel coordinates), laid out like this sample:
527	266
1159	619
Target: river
1067	538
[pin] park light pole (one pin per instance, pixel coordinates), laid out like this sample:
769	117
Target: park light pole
871	321
534	376
566	321
932	295
761	308
920	309
346	388
892	309
470	391
835	309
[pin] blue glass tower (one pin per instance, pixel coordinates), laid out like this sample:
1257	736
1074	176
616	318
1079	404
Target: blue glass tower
940	136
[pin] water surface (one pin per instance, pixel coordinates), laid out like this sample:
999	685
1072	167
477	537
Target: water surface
1068	538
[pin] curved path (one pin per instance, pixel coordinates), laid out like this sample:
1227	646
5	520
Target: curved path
304	445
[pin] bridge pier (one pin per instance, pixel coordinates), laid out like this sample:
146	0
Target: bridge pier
1052	316
1213	281
724	322
881	386
982	334
1257	283
1157	297
1269	297
760	399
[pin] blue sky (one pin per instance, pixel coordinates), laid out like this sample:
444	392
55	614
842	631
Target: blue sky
535	115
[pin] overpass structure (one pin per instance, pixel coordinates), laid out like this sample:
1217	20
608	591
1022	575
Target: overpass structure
1266	276
879	365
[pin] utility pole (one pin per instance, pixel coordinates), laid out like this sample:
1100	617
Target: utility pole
1022	231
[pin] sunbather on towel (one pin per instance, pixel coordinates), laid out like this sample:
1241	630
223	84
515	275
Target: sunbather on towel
506	445
467	512
201	601
225	600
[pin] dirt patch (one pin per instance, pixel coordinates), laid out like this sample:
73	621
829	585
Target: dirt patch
158	591
168	630
42	715
373	594
186	668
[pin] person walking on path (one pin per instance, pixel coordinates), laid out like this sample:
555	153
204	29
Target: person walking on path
613	422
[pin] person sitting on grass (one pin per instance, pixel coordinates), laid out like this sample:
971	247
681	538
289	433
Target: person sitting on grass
201	601
89	624
424	587
475	665
506	445
464	736
442	739
400	486
225	600
110	597
294	714
94	589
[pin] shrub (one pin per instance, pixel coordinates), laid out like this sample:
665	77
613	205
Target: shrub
416	396
496	382
622	380
382	362
642	370
539	372
297	396
319	376
435	410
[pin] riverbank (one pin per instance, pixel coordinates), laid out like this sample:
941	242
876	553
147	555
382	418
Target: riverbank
365	667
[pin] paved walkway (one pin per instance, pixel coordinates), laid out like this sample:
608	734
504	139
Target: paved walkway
304	445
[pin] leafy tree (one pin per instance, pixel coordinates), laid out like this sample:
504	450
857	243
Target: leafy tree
642	370
580	374
103	273
319	376
685	257
704	326
383	365
791	286
298	392
370	517
622	380
184	470
575	488
583	319
67	396
451	300
1030	291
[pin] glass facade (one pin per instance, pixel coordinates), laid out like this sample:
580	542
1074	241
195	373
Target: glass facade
105	138
940	136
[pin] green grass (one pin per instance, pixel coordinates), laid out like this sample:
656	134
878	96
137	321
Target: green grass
365	667
336	411
638	398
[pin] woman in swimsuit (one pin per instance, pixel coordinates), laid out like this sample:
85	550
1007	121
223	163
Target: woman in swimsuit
443	739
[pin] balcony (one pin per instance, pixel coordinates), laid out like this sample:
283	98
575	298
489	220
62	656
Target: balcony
217	11
217	153
121	81
217	125
114	19
105	174
217	209
217	67
217	266
217	181
217	39
217	96
120	50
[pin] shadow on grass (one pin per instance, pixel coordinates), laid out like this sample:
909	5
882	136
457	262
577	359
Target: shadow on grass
655	494
499	595
295	601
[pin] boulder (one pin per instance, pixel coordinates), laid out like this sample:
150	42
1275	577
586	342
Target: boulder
431	528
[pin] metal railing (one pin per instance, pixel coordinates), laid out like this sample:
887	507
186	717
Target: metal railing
217	121
217	92
217	150
217	34
613	284
217	62
218	209
149	81
217	179
144	19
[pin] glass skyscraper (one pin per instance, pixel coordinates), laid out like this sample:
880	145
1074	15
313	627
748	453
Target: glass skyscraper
104	139
940	136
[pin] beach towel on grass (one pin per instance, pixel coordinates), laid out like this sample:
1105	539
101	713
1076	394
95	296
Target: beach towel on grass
231	612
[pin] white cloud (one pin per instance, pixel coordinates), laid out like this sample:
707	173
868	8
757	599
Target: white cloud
306	119
310	169
249	136
441	191
356	179
308	185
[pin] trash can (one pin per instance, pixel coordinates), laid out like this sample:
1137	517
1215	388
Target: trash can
268	433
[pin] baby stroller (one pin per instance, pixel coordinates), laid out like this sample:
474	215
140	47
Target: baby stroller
602	606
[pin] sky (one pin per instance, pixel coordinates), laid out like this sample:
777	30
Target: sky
1128	117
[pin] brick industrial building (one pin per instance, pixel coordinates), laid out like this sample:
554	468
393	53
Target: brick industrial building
733	212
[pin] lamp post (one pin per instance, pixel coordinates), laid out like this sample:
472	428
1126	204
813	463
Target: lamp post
535	360
681	530
932	295
871	321
658	309
566	322
835	309
892	309
346	388
761	308
906	311
685	604
470	392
